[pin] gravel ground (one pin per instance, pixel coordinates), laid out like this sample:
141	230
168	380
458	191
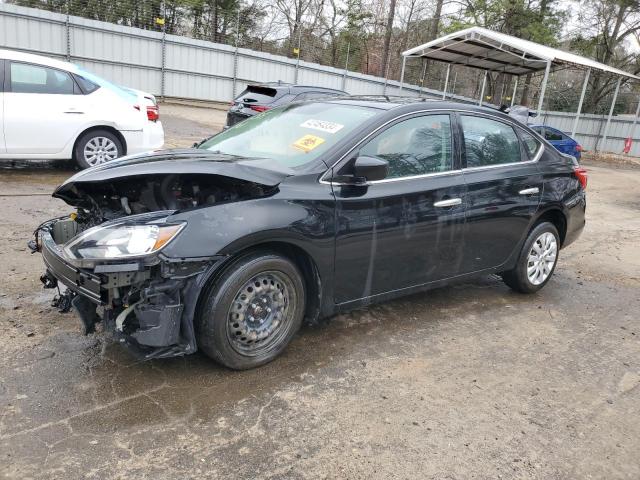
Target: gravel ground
467	382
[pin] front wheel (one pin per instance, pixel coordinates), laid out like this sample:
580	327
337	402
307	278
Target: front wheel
96	147
251	313
537	260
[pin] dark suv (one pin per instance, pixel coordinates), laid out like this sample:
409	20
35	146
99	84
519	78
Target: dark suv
264	96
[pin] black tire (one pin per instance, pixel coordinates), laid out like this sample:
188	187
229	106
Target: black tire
113	148
518	279
218	330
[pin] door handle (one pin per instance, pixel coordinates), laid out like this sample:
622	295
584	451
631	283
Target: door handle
529	191
449	202
74	111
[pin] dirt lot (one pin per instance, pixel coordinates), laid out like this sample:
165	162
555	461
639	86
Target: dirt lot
471	381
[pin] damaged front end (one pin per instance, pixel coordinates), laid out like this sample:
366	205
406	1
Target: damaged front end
147	299
109	253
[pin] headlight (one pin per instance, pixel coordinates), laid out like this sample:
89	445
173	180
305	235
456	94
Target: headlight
121	240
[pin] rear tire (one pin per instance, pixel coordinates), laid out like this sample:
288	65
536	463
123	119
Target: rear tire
537	260
251	313
96	147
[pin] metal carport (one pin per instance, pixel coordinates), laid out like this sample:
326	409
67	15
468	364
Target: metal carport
491	51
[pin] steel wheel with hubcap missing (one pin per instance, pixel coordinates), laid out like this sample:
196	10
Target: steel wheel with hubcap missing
542	258
258	311
252	311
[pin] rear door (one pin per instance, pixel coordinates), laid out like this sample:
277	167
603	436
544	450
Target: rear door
43	109
504	187
405	230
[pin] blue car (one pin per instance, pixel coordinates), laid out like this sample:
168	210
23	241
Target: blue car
563	142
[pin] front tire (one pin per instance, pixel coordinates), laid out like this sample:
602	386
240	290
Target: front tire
96	147
251	313
537	260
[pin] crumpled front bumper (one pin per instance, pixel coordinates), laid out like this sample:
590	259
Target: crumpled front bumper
81	281
150	306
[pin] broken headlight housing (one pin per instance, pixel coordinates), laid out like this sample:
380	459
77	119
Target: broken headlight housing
122	239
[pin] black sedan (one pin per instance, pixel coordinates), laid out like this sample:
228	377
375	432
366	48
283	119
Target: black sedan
304	211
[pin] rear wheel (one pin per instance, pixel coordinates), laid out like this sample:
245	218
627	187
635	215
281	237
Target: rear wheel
537	260
252	312
96	147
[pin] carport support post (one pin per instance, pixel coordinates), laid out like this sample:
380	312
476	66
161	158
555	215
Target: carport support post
544	86
584	90
613	105
446	82
515	88
404	61
484	84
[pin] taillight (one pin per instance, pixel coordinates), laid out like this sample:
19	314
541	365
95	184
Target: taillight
153	113
581	175
578	148
259	108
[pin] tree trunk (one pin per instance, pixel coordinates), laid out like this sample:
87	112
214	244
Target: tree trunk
387	38
524	99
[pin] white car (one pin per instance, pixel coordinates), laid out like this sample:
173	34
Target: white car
51	109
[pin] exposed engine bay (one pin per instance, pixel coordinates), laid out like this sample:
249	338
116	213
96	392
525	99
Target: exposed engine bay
101	201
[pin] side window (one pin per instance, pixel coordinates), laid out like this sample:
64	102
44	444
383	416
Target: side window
530	142
26	78
416	146
552	135
489	142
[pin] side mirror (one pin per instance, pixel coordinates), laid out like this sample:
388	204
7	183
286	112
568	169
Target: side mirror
370	169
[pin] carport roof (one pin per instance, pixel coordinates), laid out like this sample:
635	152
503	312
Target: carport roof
497	52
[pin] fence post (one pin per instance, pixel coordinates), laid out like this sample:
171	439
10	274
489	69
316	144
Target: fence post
346	67
235	56
164	63
67	24
298	59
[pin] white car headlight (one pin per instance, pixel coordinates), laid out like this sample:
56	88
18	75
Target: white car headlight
121	240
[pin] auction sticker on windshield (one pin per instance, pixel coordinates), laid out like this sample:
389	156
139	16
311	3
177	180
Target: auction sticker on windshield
308	143
322	125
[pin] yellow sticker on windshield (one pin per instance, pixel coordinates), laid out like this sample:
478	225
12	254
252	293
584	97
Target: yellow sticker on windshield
308	143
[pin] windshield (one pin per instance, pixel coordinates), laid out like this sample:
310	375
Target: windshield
292	135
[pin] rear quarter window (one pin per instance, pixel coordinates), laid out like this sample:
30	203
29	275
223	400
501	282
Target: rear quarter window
531	144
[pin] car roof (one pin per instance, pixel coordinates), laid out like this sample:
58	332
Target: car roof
295	88
39	59
409	104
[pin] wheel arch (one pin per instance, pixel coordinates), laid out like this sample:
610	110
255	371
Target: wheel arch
293	252
555	216
109	129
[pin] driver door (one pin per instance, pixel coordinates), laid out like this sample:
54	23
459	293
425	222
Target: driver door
405	230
